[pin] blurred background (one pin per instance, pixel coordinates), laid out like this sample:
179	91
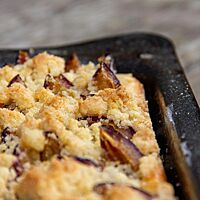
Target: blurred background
25	23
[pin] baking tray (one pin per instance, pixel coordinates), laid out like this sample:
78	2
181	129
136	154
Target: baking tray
173	108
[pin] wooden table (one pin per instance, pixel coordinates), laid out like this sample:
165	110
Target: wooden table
52	22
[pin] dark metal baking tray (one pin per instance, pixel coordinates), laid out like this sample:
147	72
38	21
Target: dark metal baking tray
173	108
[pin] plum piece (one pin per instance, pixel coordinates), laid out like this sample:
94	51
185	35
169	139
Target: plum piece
11	106
144	193
72	63
7	136
49	82
118	147
16	151
86	93
102	188
126	132
56	83
104	77
86	161
2	105
59	157
6	131
63	81
22	57
18	167
108	60
92	119
16	79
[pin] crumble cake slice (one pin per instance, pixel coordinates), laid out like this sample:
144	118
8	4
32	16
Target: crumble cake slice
71	131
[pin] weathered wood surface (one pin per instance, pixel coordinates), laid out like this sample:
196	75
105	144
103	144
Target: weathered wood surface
26	23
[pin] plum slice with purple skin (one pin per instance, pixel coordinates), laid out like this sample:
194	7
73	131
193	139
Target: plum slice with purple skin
104	77
63	81
49	82
145	194
72	63
2	105
6	131
57	82
108	60
18	167
118	147
86	93
86	161
102	188
127	132
22	57
16	79
92	119
11	106
17	150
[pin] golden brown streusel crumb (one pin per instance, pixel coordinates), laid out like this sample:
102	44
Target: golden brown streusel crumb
67	134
